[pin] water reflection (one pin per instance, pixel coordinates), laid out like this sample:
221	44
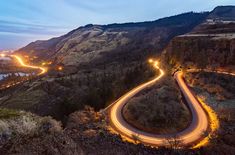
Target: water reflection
21	74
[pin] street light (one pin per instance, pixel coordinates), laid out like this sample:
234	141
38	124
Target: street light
150	60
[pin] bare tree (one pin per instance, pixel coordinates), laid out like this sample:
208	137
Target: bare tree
174	142
136	138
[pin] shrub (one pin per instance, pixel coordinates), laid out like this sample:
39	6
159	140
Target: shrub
49	125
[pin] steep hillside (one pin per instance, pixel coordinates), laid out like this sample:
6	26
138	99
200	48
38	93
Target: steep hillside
158	109
211	44
86	132
215	51
220	20
100	64
107	43
226	13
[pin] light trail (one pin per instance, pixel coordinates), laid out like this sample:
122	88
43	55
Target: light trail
43	70
214	124
214	121
187	137
211	71
22	63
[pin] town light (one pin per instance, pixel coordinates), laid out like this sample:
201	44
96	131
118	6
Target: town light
150	60
60	68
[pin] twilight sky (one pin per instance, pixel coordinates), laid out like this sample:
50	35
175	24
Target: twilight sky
24	21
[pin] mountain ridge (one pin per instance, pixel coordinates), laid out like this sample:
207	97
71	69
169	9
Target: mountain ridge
165	28
112	59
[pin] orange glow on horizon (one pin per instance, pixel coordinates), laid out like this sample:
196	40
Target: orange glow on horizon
3	55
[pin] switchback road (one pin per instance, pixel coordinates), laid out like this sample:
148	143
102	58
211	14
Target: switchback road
190	135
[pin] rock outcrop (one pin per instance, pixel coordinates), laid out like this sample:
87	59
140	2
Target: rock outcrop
212	51
210	45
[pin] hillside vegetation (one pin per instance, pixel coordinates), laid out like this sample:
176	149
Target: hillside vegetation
158	110
218	91
100	63
201	52
210	44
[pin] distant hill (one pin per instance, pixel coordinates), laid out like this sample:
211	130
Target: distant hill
223	13
220	20
210	44
102	62
103	44
113	42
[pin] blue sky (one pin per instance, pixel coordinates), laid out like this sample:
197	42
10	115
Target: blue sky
24	21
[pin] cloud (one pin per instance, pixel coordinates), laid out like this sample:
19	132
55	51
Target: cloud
17	27
14	35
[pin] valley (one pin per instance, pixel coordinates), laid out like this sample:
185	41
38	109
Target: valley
159	87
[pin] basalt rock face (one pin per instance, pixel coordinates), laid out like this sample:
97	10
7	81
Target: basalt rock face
223	12
215	27
201	51
210	44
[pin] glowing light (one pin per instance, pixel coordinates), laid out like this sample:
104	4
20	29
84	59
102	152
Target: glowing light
3	55
20	60
150	60
214	123
60	68
211	71
156	63
199	123
213	119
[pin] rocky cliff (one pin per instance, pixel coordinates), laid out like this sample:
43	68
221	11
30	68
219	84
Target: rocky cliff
211	44
214	51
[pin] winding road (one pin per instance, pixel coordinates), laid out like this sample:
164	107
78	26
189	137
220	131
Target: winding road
23	64
193	133
42	70
187	137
